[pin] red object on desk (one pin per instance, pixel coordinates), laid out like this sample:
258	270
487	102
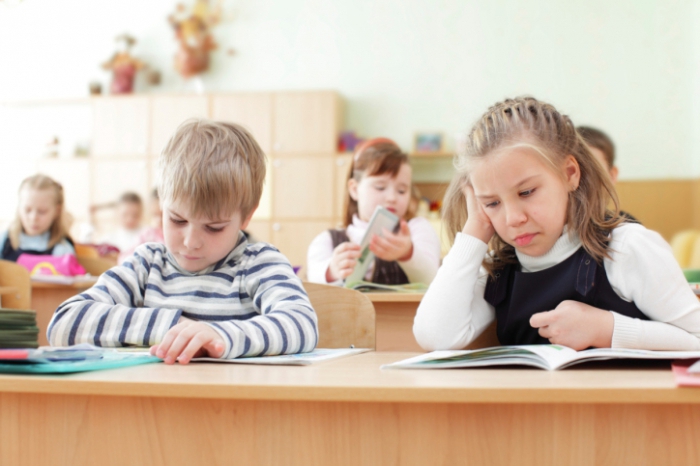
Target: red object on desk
683	378
8	354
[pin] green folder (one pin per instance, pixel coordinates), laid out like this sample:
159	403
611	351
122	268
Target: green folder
109	360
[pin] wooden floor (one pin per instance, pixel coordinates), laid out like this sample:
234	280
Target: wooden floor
349	412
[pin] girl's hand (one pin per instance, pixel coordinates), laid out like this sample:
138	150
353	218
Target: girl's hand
189	339
343	261
576	325
393	246
478	224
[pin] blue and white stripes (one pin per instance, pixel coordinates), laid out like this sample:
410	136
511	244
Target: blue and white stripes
252	298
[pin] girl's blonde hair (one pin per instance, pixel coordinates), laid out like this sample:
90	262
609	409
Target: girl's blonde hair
58	229
372	158
524	121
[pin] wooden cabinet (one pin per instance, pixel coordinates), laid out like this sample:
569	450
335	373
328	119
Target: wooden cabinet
292	238
303	187
120	126
306	122
250	110
168	112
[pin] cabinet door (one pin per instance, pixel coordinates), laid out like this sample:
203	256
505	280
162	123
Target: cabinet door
306	122
303	187
120	126
293	238
260	230
250	110
167	112
111	178
342	167
74	175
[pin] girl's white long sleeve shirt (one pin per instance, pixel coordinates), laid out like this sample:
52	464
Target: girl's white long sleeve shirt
641	269
420	268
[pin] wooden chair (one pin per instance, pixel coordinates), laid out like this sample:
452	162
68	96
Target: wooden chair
86	250
685	248
345	317
96	266
17	279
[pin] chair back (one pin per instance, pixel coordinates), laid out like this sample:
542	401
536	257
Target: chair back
685	249
96	266
86	250
345	317
15	276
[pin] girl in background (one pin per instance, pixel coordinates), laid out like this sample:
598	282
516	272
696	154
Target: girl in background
39	226
537	250
380	175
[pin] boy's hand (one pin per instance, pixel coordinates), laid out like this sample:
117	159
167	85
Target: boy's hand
478	223
576	325
189	339
343	261
393	246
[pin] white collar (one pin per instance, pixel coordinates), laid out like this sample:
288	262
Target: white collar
565	246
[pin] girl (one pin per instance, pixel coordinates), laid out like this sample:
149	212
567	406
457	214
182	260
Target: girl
562	268
39	227
380	175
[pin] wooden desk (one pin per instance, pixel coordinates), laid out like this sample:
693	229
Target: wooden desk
349	412
46	297
394	320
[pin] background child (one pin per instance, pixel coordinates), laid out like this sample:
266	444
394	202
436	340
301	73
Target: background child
153	233
380	176
207	291
602	147
39	227
129	214
561	268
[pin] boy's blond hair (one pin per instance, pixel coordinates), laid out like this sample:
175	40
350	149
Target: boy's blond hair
216	168
59	226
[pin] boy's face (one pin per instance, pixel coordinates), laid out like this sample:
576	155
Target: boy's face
598	154
195	241
130	215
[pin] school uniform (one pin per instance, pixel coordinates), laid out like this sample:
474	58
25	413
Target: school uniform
420	268
37	245
641	284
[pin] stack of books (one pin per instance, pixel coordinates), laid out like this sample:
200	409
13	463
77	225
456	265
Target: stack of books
18	329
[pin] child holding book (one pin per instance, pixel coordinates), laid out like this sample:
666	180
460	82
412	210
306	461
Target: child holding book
537	250
39	227
380	175
206	291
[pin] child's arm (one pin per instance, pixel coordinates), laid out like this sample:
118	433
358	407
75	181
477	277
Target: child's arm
63	247
287	323
453	311
643	270
110	313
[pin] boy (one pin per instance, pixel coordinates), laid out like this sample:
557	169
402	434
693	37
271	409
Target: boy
603	149
207	291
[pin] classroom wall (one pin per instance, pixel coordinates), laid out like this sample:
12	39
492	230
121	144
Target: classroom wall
629	67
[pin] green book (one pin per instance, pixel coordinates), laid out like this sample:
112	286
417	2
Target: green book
18	328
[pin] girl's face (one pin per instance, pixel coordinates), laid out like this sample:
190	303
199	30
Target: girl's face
37	210
392	193
525	199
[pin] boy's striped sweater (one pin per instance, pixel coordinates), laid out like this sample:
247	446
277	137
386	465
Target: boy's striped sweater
251	297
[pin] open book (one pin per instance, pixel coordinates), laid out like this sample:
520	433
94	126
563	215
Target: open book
549	357
369	287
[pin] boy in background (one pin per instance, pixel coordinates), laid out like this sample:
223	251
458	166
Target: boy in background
603	149
206	291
